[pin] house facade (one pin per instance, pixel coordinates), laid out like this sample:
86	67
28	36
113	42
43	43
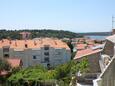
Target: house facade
45	51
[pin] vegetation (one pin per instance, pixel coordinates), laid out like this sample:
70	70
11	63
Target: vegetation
4	65
39	75
14	34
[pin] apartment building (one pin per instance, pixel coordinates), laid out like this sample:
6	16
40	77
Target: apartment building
45	51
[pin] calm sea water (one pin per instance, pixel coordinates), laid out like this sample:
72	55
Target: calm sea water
97	37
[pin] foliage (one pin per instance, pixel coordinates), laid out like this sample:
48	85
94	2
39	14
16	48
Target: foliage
15	69
61	74
63	70
14	34
70	45
83	65
4	65
73	55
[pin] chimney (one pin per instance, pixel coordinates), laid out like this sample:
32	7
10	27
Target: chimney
15	43
35	43
26	46
2	40
25	35
10	41
55	42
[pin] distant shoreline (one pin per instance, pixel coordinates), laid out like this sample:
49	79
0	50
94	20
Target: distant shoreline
96	34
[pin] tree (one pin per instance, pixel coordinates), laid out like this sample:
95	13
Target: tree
84	65
62	73
14	34
4	65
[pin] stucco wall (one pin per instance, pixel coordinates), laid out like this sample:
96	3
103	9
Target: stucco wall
56	56
93	61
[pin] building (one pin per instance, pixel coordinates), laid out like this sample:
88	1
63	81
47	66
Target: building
107	64
93	58
84	43
25	35
113	31
45	51
93	53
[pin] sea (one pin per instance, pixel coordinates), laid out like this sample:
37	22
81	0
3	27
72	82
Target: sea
97	37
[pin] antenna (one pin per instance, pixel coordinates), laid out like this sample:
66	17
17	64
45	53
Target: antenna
113	22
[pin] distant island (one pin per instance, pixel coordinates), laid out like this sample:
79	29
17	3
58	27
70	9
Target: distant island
14	34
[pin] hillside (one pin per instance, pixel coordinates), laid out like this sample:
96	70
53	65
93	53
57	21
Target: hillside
14	34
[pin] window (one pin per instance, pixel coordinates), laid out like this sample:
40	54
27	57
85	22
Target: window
26	46
48	66
46	53
58	53
46	59
46	48
34	57
6	55
5	49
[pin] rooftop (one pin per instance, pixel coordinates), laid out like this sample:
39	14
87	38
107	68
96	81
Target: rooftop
86	52
14	62
81	46
111	38
3	73
24	44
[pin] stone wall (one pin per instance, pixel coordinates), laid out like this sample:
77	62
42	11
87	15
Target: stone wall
93	61
109	48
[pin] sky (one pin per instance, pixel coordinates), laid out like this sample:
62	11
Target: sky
72	15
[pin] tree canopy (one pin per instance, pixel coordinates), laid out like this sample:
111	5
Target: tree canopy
14	34
4	65
61	73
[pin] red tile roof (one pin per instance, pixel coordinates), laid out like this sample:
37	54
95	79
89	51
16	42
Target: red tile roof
85	52
20	44
81	46
14	62
3	73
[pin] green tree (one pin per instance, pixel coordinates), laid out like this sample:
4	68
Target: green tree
84	65
38	74
4	65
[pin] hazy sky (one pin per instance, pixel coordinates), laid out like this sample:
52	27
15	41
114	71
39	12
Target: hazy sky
72	15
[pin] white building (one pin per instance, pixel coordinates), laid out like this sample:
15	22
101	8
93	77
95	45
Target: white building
46	51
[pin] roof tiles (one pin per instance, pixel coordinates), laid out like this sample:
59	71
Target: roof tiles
20	44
